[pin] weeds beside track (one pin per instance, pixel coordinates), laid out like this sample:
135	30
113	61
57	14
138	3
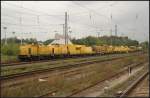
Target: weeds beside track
40	61
130	88
112	76
13	76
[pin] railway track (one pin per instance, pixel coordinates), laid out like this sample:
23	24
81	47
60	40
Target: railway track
13	76
131	89
40	61
51	93
115	75
28	62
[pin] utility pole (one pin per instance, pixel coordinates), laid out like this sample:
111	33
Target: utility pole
111	36
63	29
21	23
5	28
21	29
111	29
115	34
115	30
66	29
98	34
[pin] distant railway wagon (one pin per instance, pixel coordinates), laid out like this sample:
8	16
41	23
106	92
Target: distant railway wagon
109	49
99	49
34	51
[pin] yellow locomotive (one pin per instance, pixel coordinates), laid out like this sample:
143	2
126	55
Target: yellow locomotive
34	51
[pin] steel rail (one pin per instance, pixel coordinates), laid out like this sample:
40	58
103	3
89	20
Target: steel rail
118	73
68	66
114	75
53	59
133	85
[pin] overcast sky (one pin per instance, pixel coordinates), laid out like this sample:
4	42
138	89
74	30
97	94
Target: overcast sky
42	19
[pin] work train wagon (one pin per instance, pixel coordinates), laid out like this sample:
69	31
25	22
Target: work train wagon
38	52
31	51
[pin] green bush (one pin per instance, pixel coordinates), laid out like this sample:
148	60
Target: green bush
10	49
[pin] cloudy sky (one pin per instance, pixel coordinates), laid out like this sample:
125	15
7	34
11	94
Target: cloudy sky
42	19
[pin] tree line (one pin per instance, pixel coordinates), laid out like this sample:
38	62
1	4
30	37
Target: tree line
106	40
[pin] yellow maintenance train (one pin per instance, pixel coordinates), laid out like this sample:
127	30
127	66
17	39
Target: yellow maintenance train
38	52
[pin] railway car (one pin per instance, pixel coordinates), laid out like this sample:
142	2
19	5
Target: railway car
133	48
35	51
139	48
59	50
109	49
86	50
99	49
121	49
73	50
28	51
116	49
126	49
78	50
44	52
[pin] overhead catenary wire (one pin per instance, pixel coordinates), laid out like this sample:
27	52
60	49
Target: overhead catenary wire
39	11
46	25
81	24
91	10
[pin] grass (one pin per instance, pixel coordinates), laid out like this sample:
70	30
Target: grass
7	58
62	84
9	52
30	67
121	86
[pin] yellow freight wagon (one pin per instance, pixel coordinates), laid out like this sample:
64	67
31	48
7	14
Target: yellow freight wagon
44	50
23	50
51	49
109	49
71	49
78	49
56	50
63	49
27	51
126	49
59	49
116	49
99	49
133	48
86	50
